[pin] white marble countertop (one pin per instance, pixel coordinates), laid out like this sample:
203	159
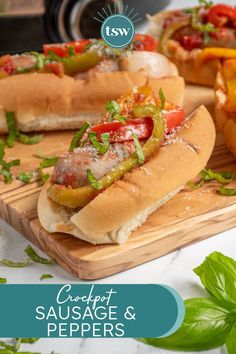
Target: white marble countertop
174	269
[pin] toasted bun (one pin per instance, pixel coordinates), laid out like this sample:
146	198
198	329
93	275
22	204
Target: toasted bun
226	122
193	71
47	102
125	205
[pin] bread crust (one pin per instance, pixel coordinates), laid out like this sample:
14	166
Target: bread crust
193	71
225	121
144	188
47	102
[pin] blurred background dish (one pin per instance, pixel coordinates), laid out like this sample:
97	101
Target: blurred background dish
26	24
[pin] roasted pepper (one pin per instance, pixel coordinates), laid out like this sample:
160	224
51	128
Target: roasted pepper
168	33
80	63
79	197
216	53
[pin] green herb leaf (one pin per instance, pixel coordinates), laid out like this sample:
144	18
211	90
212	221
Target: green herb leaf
196	185
12	264
29	340
92	180
113	107
71	51
29	140
206	326
7	176
162	98
35	257
11	125
139	150
25	177
3	281
48	162
46	276
39	64
231	341
101	148
221	177
218	275
78	136
205	3
2	147
120	118
227	191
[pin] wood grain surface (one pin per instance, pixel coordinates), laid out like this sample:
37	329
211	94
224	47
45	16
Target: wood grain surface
189	217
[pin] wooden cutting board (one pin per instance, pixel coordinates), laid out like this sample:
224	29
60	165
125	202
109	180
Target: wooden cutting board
189	217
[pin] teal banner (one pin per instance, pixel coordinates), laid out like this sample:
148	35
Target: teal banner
77	311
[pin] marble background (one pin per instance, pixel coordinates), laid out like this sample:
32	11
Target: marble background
174	269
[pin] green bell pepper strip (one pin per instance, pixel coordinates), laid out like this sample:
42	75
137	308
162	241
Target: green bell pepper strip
79	197
168	33
79	63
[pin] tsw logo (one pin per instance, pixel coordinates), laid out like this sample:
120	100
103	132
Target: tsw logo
116	31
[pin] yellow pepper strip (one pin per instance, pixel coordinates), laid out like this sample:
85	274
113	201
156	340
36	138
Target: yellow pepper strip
216	53
80	63
168	33
79	197
229	74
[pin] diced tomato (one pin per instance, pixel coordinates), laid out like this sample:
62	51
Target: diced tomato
63	49
220	15
145	42
142	127
55	68
59	49
79	46
6	64
190	42
173	119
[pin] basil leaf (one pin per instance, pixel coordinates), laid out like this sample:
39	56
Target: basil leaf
25	177
221	177
78	136
162	98
231	341
196	185
29	140
113	107
227	191
6	351
11	125
29	340
2	147
7	176
139	150
35	257
48	162
46	276
101	148
92	180
120	118
218	275
3	281
206	326
12	264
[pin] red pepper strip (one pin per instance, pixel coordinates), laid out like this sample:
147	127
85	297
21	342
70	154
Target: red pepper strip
145	42
220	15
63	49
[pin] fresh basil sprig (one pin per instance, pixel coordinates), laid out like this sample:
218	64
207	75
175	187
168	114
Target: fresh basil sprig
209	322
224	177
114	109
35	257
101	148
46	276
